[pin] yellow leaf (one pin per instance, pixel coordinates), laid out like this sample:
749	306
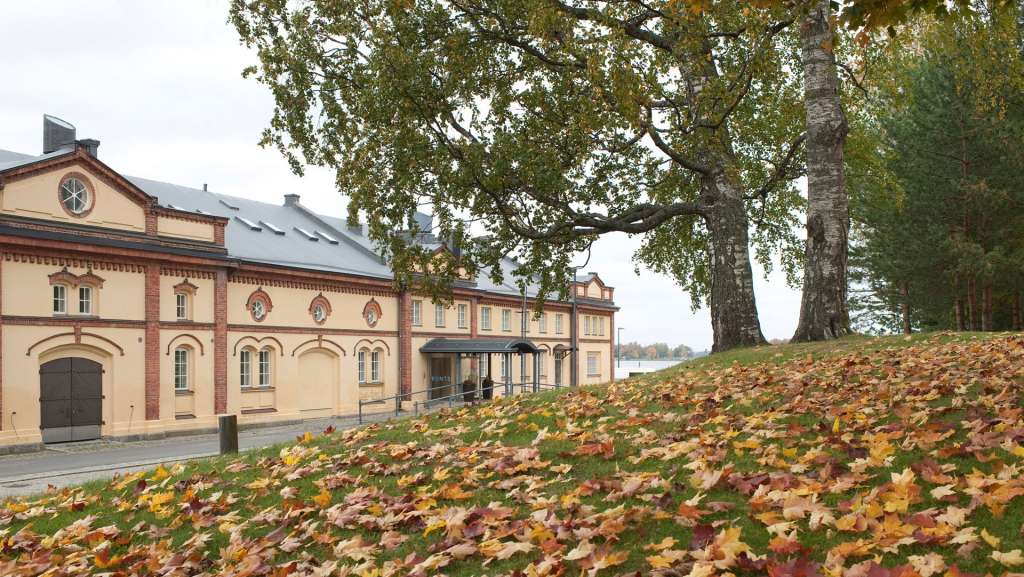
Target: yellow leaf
1012	558
991	539
666	543
160	473
835	426
323	499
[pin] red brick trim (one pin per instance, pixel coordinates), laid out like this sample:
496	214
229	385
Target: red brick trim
186	326
220	343
320	341
90	278
63	276
372	306
280	347
370	344
322	301
171	342
405	343
78	334
186	287
188	273
259	295
48	248
64	321
261	329
104	172
152	342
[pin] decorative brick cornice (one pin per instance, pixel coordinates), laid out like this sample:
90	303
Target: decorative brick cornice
186	287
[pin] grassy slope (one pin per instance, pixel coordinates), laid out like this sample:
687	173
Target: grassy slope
826	452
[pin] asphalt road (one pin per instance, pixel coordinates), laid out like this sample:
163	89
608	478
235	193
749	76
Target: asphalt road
69	463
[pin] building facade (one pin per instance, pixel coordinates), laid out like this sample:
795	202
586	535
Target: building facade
134	308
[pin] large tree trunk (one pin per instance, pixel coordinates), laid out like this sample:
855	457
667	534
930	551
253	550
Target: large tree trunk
905	309
733	308
823	309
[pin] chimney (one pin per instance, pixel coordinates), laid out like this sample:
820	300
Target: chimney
91	146
57	134
356	228
204	188
291	199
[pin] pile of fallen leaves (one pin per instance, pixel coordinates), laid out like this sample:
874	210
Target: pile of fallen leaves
877	463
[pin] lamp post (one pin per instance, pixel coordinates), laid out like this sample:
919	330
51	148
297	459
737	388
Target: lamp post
618	347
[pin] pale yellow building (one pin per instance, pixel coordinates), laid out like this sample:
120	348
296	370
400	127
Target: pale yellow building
134	308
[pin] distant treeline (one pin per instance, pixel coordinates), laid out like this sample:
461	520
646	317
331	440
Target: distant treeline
635	350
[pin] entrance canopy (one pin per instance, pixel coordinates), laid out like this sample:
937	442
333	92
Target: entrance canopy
478	346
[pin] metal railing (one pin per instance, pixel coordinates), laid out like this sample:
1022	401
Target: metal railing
466	396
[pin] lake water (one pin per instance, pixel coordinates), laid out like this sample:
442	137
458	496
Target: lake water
625	367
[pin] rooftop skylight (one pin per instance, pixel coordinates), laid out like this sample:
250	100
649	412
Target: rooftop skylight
225	203
248	223
307	234
271	226
327	237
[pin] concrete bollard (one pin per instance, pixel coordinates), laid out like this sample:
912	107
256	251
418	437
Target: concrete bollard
227	426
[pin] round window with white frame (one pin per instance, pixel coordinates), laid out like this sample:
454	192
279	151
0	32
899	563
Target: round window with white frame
319	313
258	309
75	196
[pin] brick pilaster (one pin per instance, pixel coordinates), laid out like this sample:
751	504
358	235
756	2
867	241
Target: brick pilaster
152	342
405	342
220	342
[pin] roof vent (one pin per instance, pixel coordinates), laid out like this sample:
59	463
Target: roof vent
327	237
227	204
57	134
271	226
307	234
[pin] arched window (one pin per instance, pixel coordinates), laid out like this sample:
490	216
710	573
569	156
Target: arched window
265	367
375	366
361	365
245	367
181	368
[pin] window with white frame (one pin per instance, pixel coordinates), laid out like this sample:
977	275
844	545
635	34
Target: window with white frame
264	366
542	323
181	306
375	366
506	320
417	313
600	326
181	369
60	299
542	360
361	365
438	315
506	369
245	368
586	324
558	324
85	300
593	364
485	318
462	316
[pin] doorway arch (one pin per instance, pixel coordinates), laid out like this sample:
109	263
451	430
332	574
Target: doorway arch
71	399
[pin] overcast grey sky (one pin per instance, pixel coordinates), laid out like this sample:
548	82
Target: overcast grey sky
158	82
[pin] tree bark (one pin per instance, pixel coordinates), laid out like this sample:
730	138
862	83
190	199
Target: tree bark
986	308
1017	311
823	308
905	308
733	307
973	314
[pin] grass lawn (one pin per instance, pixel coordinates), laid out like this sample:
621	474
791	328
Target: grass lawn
866	457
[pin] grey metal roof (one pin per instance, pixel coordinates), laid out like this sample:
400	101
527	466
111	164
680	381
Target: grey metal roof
477	346
271	233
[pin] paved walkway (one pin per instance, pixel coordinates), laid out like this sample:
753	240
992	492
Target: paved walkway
70	463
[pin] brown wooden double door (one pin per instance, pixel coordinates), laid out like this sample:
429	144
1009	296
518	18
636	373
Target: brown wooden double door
71	399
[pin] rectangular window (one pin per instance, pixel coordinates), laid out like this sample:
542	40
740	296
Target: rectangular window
462	316
181	369
375	366
60	299
439	315
558	324
542	323
525	370
264	368
523	322
417	313
85	300
245	368
600	326
181	306
506	369
485	318
506	320
542	359
586	324
593	362
362	366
